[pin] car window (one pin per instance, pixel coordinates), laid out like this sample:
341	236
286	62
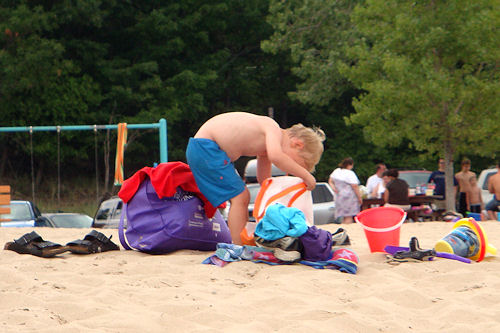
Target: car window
102	214
321	194
72	221
487	179
19	212
36	211
118	210
414	178
105	210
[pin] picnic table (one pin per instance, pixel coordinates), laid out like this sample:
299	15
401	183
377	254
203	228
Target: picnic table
415	201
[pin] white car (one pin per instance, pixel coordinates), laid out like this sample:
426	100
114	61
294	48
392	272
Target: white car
250	175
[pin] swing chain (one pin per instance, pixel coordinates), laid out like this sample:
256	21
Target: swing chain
32	167
96	165
58	167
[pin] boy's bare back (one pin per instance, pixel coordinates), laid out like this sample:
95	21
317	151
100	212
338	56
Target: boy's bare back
241	134
246	134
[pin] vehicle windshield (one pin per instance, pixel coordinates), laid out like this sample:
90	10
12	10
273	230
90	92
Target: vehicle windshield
18	212
485	185
414	178
72	221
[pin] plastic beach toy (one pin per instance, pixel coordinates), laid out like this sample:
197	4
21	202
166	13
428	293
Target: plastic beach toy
382	226
467	238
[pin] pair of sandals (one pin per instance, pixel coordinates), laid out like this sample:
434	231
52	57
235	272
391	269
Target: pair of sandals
32	243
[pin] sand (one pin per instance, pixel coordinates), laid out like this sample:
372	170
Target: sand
128	291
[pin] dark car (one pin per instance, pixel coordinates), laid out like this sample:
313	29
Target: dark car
69	220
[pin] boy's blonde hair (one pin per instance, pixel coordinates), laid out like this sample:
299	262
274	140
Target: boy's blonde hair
312	138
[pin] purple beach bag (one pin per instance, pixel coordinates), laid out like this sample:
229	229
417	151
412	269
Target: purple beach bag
159	226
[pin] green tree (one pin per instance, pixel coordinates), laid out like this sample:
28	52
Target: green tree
316	34
430	73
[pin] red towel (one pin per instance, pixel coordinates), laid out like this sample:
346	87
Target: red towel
165	178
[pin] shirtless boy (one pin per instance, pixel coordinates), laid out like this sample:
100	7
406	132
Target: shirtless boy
494	187
474	198
224	138
463	178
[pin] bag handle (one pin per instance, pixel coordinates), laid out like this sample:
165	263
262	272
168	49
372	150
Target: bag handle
301	187
120	229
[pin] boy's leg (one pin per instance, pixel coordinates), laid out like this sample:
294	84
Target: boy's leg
238	215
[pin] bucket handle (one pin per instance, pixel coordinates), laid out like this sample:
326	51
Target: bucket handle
394	227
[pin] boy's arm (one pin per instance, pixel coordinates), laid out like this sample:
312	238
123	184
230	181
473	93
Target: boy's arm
263	168
284	162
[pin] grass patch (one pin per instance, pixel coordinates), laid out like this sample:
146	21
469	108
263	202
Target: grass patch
76	196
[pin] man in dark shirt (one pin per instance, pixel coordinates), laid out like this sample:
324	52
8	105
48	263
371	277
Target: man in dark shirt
438	177
396	193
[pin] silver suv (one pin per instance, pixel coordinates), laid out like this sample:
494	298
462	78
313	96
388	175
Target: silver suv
108	214
482	182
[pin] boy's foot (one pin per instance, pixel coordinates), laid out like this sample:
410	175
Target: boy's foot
285	249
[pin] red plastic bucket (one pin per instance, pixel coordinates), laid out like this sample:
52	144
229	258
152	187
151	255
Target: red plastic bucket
381	226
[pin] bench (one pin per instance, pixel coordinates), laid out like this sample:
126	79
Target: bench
4	201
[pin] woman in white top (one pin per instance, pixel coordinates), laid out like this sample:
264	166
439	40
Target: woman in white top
345	184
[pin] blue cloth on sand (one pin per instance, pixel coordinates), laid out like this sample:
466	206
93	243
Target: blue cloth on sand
213	171
342	259
280	221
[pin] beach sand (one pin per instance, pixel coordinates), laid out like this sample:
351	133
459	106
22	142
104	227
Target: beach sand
128	291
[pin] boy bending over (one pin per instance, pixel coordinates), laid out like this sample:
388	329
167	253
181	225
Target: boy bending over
224	138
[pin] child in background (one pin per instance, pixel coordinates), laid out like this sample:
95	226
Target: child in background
474	198
224	138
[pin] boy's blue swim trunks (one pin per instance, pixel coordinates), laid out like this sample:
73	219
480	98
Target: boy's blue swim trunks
213	171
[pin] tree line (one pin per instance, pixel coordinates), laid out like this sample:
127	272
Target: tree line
401	82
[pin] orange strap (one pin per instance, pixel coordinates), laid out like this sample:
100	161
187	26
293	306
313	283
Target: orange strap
301	187
120	149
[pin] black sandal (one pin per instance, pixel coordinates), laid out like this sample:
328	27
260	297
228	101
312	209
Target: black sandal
94	242
415	252
32	243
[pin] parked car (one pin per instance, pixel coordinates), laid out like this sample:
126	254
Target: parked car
482	182
415	177
24	214
108	214
323	203
250	175
69	220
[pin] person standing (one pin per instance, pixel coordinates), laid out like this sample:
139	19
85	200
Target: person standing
345	184
494	187
463	177
374	180
438	178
